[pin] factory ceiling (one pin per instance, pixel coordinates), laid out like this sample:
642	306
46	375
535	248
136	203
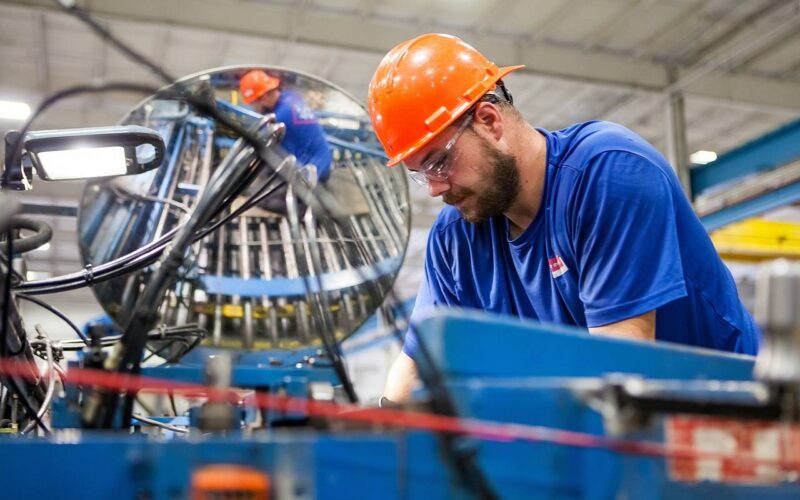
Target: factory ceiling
737	63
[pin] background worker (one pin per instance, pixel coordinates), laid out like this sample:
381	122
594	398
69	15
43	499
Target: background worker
585	226
304	137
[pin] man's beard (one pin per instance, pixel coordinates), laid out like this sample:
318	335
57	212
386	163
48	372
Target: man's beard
498	191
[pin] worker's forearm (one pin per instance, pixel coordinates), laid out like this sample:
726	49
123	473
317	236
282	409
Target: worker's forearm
401	379
638	328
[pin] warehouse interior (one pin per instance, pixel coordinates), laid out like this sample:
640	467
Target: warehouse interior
713	85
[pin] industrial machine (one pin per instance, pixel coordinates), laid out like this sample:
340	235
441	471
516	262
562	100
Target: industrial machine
249	285
219	372
245	283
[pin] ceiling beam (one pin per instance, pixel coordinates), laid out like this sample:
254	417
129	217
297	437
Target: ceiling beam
43	68
729	56
350	30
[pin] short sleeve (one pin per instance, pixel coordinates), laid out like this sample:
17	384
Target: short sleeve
625	238
436	289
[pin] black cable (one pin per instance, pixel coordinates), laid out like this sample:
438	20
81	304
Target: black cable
42	234
175	335
16	155
109	38
20	277
11	383
7	282
124	193
237	170
6	264
22	339
27	405
137	259
477	480
259	195
55	311
163	348
19	351
133	261
204	107
159	334
172	403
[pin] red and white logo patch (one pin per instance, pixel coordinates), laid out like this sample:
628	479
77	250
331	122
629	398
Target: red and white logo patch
557	266
752	452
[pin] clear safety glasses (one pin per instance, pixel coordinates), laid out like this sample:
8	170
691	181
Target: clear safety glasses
440	164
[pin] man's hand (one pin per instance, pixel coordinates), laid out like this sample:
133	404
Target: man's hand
403	374
401	379
637	328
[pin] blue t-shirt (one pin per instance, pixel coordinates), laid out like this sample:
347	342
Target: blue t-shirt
304	135
615	238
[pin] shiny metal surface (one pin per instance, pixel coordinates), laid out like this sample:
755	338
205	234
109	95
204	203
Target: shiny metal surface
262	280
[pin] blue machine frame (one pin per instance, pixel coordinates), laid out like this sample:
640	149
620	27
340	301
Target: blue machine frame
766	153
501	370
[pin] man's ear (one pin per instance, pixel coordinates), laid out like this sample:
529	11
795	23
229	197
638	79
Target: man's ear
489	120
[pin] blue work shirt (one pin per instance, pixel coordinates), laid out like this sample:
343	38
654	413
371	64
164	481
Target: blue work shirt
615	238
304	135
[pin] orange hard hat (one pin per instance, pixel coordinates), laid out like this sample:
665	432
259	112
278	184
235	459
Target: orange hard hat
422	86
256	83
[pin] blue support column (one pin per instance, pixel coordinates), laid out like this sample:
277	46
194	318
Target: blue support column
768	201
770	151
773	150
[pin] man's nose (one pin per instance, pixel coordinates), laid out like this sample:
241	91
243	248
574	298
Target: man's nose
437	187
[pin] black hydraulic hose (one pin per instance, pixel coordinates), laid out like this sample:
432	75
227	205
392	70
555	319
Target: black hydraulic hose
138	258
16	152
97	273
42	233
135	260
57	312
238	168
470	474
204	104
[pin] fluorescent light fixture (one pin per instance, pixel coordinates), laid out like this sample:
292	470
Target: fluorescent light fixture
702	157
88	153
84	163
13	110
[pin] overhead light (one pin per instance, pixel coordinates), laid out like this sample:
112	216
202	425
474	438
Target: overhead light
702	157
87	153
83	163
14	110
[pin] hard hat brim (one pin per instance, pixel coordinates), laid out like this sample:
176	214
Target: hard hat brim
272	84
460	110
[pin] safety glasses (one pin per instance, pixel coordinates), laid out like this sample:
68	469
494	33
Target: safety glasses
440	164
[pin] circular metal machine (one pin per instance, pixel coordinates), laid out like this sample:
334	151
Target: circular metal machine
262	280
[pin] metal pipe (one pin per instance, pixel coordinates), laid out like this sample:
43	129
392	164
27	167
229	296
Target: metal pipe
292	271
51	386
378	215
270	311
244	272
156	423
216	334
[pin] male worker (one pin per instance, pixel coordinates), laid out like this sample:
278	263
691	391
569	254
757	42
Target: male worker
304	136
584	226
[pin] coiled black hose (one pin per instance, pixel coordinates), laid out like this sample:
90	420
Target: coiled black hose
42	233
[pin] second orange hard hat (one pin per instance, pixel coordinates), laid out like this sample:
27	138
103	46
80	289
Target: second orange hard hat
256	83
422	86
